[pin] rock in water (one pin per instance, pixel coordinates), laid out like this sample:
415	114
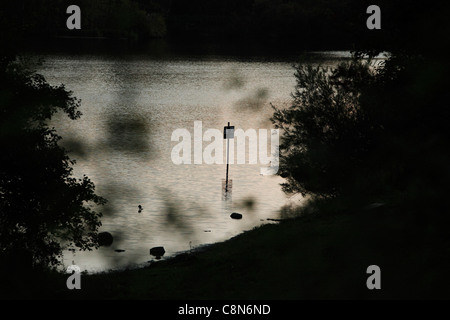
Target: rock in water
158	252
105	239
236	215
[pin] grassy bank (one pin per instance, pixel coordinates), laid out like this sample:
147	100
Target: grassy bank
314	257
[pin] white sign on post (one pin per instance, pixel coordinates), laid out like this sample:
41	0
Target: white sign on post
228	132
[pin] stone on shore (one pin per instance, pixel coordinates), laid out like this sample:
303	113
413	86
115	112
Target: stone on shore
105	239
236	215
158	252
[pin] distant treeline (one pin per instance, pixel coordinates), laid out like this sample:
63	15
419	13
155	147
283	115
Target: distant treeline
324	24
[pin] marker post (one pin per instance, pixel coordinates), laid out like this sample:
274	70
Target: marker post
228	133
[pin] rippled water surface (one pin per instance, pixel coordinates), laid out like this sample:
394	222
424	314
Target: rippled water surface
131	105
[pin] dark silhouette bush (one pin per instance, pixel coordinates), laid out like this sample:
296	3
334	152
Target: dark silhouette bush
43	209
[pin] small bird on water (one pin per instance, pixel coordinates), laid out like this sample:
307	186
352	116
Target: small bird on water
140	208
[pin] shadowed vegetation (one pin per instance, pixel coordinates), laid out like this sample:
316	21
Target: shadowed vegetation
370	133
43	209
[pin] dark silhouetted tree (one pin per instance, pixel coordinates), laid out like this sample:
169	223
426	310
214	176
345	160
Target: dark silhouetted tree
371	132
325	134
43	209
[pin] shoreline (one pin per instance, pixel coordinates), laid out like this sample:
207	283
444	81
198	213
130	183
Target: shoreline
318	256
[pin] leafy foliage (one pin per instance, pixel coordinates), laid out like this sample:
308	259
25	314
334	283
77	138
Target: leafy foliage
42	207
325	132
366	130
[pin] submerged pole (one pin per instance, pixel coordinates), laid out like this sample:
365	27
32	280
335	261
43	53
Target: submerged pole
228	133
228	148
